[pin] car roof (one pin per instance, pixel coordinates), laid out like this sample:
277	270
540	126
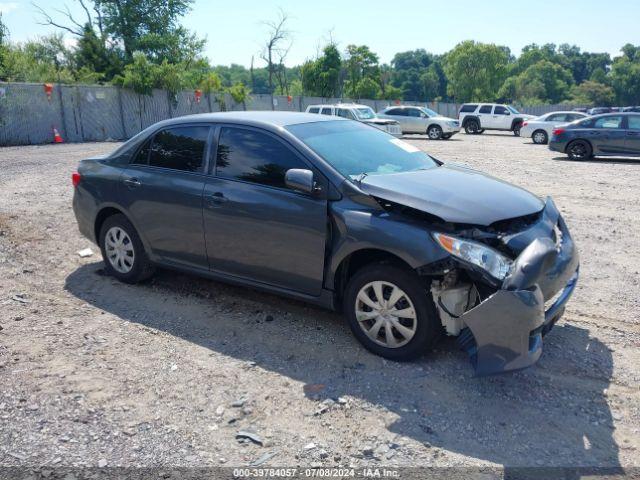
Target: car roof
254	118
572	112
339	105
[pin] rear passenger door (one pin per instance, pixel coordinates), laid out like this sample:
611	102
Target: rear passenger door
256	227
400	115
161	190
486	116
632	139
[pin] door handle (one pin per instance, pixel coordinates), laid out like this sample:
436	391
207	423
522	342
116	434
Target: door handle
216	199
132	182
633	134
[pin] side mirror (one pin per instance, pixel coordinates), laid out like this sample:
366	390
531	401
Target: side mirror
299	179
507	112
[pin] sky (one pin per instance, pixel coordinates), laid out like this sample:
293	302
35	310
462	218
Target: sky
234	29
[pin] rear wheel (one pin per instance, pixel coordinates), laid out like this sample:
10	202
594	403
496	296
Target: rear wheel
516	129
390	312
434	132
472	127
122	250
579	150
540	137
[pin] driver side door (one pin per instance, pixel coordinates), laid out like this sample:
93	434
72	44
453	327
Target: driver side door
256	228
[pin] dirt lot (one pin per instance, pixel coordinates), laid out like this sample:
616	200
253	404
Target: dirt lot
94	372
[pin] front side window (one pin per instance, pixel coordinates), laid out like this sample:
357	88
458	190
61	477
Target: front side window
345	113
414	112
179	148
608	122
499	110
365	113
255	157
557	117
485	109
429	112
354	148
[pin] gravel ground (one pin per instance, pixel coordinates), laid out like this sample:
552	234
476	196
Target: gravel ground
97	373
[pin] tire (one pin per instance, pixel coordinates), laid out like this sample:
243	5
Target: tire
516	129
123	252
579	150
540	137
424	324
481	131
472	127
434	132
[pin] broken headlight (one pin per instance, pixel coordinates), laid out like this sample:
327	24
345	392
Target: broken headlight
490	260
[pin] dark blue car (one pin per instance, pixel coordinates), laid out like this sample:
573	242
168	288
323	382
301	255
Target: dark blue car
340	214
603	135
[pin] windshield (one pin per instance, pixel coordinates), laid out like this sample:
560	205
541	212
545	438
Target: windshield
513	110
429	112
355	148
365	113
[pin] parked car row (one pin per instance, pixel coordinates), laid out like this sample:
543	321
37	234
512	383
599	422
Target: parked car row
396	120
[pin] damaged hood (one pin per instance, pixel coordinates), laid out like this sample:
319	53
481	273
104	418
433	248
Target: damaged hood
454	193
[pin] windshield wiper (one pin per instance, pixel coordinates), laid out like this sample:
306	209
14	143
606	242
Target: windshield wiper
360	177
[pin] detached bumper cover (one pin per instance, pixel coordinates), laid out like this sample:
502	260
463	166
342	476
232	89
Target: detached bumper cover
507	328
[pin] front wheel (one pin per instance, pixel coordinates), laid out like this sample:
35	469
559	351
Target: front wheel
434	132
540	137
123	252
516	129
579	150
391	312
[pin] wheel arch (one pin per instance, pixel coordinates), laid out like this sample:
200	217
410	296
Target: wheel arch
471	117
356	260
516	121
110	210
434	124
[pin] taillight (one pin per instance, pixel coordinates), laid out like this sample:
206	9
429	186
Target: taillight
525	124
75	178
558	131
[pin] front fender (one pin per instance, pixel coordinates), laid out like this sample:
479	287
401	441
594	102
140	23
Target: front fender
364	228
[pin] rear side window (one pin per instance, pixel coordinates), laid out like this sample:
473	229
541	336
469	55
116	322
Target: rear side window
314	110
634	122
180	148
399	112
468	108
485	109
343	112
608	122
254	157
326	111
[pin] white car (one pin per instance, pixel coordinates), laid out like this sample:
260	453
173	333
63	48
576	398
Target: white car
422	120
359	113
475	118
540	129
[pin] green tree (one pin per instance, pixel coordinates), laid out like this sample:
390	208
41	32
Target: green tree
360	63
321	77
542	82
475	71
240	94
625	76
91	54
4	37
593	93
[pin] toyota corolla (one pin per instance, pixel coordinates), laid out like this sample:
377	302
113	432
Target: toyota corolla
342	215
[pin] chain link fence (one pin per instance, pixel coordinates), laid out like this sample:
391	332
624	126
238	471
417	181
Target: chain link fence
30	113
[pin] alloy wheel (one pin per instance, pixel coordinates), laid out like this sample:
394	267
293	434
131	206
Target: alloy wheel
539	137
386	314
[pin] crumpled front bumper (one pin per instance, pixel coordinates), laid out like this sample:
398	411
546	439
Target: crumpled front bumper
505	330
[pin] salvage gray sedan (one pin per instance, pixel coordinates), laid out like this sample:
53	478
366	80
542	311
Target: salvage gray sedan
342	215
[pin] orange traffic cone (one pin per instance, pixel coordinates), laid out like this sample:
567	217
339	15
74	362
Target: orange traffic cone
56	136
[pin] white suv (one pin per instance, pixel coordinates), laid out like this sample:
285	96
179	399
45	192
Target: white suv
422	120
359	113
477	117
